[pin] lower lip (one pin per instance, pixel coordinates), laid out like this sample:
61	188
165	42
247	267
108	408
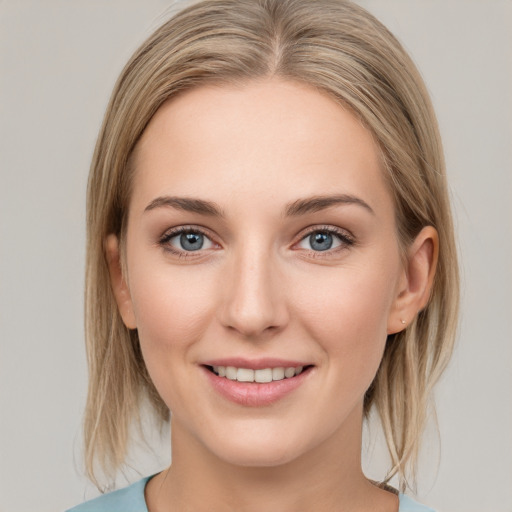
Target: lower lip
255	394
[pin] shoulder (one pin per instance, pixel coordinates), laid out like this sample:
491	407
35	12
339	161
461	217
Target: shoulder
409	505
128	499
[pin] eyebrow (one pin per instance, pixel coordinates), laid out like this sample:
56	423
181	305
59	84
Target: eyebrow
318	203
294	209
187	204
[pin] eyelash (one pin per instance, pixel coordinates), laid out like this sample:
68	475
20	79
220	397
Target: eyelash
346	240
168	235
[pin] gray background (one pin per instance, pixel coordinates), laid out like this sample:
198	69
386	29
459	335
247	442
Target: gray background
58	62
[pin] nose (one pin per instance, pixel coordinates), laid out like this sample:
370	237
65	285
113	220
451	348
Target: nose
254	302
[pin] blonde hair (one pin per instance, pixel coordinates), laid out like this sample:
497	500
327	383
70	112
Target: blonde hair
342	50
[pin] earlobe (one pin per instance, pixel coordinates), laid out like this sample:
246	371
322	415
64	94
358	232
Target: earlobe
418	276
118	282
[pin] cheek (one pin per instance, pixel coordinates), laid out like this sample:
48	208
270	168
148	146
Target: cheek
172	310
348	318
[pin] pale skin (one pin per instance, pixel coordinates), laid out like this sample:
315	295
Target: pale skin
260	286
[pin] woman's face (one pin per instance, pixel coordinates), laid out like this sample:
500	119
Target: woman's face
261	237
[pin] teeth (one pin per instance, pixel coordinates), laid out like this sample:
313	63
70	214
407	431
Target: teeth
230	372
277	373
289	372
263	375
244	375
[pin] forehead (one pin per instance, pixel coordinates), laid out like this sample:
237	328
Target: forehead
272	138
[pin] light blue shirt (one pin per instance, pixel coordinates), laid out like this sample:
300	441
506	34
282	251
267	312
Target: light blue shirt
131	499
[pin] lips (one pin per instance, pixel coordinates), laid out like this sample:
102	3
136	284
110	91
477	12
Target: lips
261	375
258	382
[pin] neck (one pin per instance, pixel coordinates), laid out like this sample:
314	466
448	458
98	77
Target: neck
327	478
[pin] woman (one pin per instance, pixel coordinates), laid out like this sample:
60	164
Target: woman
270	257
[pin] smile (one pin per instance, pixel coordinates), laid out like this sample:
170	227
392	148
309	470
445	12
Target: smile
262	375
256	383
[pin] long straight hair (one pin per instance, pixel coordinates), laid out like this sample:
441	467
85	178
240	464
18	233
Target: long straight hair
342	50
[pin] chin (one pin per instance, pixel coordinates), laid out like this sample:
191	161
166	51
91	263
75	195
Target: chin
258	458
258	450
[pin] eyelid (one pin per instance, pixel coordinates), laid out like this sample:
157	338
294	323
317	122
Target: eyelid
345	233
178	230
346	238
187	228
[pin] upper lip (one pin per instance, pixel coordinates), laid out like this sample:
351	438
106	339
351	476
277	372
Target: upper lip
255	364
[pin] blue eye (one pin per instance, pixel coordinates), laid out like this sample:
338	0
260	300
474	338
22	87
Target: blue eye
324	240
187	241
191	241
321	241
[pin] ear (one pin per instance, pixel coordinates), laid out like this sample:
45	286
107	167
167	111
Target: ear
118	282
415	284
